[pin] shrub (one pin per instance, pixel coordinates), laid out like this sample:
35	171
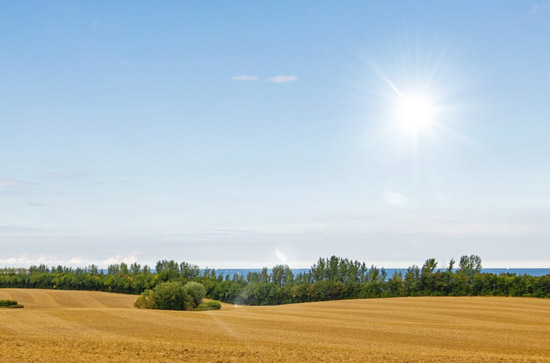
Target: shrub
165	296
214	304
10	304
172	296
146	300
196	291
211	305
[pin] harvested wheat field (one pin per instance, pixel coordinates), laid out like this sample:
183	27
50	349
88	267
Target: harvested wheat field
73	326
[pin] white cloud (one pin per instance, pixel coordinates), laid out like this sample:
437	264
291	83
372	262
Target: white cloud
77	261
395	198
281	256
244	78
131	258
8	182
24	260
283	79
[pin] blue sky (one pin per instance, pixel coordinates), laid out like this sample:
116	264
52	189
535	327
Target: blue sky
246	134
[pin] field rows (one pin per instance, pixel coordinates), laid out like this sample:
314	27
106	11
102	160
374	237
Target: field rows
95	326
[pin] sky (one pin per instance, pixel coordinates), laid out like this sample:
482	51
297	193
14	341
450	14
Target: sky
248	134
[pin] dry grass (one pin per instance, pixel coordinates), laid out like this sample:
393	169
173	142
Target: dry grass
93	326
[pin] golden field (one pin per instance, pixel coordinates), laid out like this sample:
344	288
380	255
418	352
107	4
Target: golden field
78	326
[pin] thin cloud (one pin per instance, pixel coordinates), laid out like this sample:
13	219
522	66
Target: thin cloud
281	256
244	78
35	204
131	258
283	79
539	7
77	260
27	261
8	182
396	199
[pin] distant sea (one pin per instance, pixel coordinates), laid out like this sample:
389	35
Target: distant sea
390	271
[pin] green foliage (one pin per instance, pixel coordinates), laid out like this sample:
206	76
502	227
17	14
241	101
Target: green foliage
146	300
172	296
329	278
10	304
196	290
165	296
211	305
5	303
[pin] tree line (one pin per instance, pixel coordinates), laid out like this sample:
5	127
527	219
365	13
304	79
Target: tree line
331	278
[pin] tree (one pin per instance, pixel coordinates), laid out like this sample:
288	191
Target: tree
146	300
451	265
469	266
196	291
172	296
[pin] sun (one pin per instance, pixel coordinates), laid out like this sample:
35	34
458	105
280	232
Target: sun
414	112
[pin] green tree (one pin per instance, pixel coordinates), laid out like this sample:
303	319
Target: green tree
196	290
172	296
146	300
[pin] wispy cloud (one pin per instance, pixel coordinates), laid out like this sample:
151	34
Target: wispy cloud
283	79
131	258
36	204
281	256
24	260
395	198
8	182
18	228
539	7
65	175
244	78
77	260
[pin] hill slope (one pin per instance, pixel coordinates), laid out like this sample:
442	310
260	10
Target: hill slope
96	326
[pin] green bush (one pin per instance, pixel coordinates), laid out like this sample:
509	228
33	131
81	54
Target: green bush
211	305
146	300
165	296
196	291
214	304
10	304
172	296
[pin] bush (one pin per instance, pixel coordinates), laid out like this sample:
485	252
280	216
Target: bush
165	296
10	304
211	305
146	300
172	296
214	304
196	291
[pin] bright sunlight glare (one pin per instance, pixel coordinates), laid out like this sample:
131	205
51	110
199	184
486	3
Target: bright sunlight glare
415	112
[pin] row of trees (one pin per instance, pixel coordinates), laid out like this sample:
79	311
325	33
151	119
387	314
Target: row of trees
328	279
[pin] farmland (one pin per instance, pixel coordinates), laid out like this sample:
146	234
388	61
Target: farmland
97	326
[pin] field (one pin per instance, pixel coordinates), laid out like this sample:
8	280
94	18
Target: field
73	326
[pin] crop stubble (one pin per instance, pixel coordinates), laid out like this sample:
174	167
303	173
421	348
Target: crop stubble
94	326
